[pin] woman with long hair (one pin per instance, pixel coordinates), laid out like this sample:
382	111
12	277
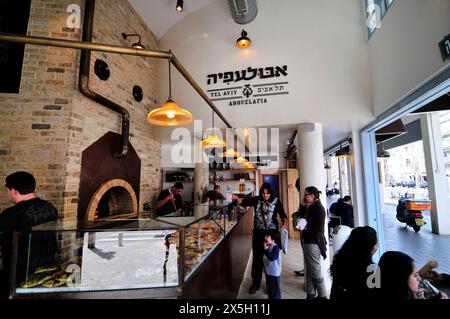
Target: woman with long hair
352	263
398	275
267	209
313	242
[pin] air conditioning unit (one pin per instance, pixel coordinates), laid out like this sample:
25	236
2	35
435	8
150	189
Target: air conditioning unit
243	11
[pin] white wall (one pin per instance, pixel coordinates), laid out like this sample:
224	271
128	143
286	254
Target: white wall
404	52
322	42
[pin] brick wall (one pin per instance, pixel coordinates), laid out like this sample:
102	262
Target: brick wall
46	127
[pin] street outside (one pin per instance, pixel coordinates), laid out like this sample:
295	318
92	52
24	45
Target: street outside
421	246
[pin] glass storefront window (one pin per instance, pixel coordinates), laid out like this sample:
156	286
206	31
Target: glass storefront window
375	11
445	130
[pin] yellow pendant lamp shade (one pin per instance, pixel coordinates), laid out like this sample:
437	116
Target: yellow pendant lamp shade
170	114
229	153
213	141
240	159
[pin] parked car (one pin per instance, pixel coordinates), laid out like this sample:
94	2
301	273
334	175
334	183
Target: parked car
411	184
423	184
402	184
392	183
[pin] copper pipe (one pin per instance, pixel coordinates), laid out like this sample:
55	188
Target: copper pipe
196	87
114	49
9	37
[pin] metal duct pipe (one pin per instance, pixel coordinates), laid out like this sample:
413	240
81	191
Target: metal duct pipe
83	79
243	11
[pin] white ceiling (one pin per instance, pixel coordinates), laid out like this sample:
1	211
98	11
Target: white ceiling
160	15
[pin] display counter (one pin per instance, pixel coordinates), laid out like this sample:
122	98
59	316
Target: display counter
167	257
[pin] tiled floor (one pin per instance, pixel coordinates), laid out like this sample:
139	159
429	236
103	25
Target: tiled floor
291	285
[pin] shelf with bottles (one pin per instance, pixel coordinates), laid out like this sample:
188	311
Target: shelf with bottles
232	176
174	175
234	180
234	170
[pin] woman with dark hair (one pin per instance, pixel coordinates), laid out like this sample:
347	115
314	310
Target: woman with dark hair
400	279
350	268
398	275
267	209
313	242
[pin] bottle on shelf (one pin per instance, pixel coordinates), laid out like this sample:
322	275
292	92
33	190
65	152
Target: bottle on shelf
241	185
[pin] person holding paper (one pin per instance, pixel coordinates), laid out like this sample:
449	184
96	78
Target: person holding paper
313	241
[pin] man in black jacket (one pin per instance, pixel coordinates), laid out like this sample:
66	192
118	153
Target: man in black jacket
344	210
28	211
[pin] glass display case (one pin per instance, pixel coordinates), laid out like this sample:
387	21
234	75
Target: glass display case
200	235
60	259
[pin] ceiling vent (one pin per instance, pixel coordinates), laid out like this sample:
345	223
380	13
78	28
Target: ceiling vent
243	11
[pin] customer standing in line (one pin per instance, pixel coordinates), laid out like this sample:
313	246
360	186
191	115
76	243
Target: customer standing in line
313	242
272	264
267	209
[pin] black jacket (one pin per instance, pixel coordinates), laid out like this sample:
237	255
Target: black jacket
315	227
22	217
345	211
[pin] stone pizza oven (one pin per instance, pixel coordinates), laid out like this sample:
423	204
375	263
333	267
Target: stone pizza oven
109	186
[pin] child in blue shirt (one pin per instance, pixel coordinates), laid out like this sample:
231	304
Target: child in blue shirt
272	264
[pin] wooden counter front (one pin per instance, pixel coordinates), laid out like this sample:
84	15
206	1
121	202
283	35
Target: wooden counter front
221	274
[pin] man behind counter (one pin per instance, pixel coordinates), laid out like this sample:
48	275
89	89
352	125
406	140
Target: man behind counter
170	200
214	194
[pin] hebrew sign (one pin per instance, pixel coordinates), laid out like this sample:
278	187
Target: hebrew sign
249	86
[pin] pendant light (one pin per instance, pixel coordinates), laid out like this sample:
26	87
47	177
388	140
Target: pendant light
170	114
213	141
341	153
229	153
244	41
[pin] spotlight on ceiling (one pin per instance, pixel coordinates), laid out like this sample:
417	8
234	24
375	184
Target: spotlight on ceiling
179	5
